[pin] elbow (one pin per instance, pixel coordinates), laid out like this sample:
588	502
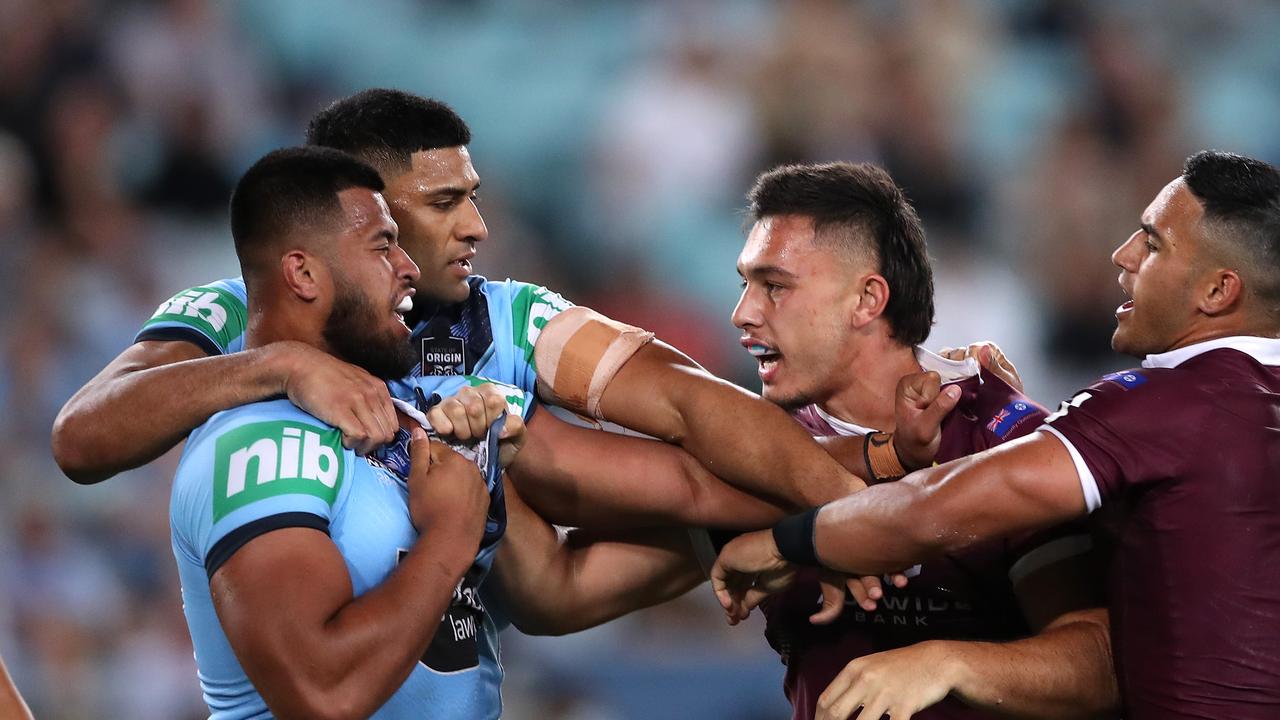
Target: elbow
69	450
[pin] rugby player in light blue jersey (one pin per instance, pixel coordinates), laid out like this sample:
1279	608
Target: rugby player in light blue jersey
187	364
314	579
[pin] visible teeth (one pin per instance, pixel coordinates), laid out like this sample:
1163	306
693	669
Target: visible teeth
759	350
405	305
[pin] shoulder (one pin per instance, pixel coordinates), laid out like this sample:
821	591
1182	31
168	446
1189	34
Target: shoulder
213	315
519	294
245	448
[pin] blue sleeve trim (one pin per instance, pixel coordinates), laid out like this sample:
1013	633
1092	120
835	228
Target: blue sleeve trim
236	539
170	334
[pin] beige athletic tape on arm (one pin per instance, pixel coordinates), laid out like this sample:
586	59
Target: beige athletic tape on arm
577	355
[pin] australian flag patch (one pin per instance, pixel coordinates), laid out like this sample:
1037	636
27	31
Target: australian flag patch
1003	422
1127	379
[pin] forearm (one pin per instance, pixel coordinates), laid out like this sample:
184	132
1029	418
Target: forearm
578	477
133	412
663	393
1064	672
1022	485
599	577
556	581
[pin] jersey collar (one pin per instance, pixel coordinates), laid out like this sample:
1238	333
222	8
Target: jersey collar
1264	350
950	370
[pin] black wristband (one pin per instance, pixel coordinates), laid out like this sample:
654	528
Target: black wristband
795	538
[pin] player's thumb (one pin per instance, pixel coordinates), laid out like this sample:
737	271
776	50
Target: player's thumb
420	450
832	602
946	401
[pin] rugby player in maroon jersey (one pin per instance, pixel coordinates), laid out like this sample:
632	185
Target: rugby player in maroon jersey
837	295
1180	454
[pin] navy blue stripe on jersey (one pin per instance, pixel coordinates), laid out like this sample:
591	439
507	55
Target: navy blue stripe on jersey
236	539
170	334
468	320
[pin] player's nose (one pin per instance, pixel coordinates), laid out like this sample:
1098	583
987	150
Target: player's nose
746	313
472	227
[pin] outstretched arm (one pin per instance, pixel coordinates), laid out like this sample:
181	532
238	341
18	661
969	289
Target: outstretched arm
1025	484
156	392
582	477
1063	672
555	581
741	437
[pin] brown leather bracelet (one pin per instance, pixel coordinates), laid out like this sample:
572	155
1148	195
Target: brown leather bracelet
882	457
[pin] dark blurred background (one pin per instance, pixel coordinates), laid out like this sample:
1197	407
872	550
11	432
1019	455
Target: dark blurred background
616	141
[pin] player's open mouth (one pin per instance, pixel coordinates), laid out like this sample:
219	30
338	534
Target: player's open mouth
405	305
462	264
1127	305
767	356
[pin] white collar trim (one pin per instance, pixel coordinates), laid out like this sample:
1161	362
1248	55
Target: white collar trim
1264	350
950	370
842	427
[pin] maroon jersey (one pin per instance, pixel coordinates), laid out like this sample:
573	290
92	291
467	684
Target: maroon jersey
1183	455
966	595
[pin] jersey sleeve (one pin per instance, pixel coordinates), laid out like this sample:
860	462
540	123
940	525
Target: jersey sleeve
212	316
252	470
1116	436
531	308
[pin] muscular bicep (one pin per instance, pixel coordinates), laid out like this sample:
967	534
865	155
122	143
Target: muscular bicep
273	597
1028	484
588	478
1023	485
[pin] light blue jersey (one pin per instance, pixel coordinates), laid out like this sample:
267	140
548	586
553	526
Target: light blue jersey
268	465
491	334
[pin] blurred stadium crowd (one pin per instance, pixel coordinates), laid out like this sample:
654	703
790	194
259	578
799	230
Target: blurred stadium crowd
616	140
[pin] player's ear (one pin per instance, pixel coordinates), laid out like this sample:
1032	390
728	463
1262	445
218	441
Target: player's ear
1223	291
871	300
303	274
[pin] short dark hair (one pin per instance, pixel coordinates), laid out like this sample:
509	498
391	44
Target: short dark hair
289	190
1241	199
860	200
386	127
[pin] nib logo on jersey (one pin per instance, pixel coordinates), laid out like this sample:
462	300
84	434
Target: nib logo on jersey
260	460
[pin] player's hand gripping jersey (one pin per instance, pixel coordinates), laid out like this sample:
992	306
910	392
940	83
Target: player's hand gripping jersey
490	334
269	465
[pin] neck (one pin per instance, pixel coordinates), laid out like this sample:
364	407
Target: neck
870	383
1205	333
280	319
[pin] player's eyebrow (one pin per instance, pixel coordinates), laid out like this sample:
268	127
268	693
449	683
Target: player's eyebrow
770	270
452	190
1151	230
